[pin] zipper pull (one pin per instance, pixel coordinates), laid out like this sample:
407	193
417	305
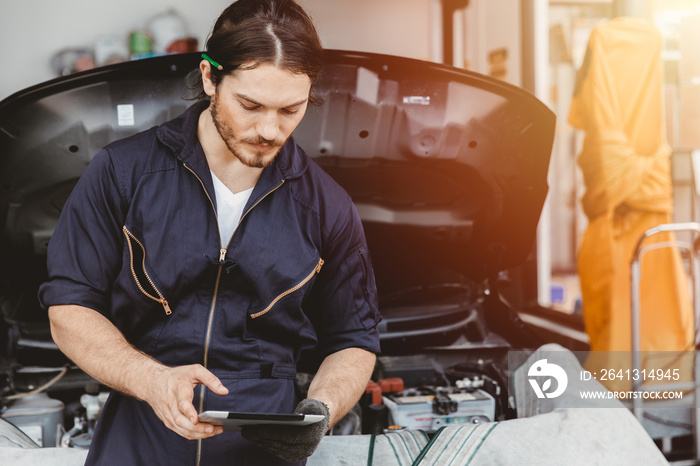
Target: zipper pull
320	264
222	254
166	306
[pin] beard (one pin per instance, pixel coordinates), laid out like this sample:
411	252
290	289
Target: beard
236	145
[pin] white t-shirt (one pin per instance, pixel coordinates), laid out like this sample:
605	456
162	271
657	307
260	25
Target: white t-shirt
229	208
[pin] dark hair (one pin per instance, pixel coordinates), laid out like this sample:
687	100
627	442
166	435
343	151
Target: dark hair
250	33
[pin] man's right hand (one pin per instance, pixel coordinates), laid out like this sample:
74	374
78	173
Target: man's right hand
92	342
170	394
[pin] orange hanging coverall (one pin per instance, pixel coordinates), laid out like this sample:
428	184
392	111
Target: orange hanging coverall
625	162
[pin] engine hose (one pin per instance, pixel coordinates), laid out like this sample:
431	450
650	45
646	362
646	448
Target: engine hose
40	389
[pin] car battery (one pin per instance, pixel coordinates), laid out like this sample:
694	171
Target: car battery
429	409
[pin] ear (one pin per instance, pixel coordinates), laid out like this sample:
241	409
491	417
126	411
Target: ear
207	83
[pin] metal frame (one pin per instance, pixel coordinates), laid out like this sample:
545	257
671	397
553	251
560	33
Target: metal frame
636	273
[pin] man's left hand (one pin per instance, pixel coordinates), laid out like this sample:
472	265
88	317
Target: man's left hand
292	443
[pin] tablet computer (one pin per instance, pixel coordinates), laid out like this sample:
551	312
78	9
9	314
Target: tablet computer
234	421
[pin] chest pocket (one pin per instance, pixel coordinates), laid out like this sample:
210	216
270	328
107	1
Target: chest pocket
288	293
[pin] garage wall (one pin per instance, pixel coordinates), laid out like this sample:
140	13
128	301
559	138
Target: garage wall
492	30
32	31
394	27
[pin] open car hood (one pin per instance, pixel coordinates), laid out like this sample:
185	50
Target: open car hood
447	168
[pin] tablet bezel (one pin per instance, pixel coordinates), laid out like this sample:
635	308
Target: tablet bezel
234	421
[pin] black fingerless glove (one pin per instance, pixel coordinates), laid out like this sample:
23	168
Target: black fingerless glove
291	443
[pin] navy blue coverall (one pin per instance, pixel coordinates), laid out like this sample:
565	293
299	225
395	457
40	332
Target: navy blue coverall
138	242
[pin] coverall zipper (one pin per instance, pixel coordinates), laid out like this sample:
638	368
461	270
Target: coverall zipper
161	299
316	270
222	256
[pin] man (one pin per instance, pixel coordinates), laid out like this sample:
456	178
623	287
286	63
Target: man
195	262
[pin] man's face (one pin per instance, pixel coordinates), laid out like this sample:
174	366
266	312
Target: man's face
256	110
